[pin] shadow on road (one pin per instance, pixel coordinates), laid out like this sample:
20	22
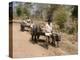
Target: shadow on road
42	43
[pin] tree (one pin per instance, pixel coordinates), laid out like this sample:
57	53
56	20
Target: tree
50	12
26	12
75	12
60	17
18	11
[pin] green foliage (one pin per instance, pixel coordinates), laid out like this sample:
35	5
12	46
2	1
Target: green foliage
26	12
75	12
50	12
60	17
64	16
22	10
18	11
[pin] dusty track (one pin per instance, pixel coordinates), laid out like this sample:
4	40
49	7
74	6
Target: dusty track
23	47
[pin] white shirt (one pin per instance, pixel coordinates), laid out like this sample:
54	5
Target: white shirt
48	28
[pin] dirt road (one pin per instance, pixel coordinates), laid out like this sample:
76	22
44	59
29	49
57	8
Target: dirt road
23	47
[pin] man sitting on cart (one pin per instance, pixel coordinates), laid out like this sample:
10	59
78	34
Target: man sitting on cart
48	29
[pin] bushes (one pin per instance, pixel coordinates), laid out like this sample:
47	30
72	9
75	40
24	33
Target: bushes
18	11
75	12
26	12
60	17
22	11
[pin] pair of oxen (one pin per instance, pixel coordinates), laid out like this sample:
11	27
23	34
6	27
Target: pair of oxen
37	31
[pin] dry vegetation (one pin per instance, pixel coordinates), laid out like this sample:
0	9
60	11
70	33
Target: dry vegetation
64	19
